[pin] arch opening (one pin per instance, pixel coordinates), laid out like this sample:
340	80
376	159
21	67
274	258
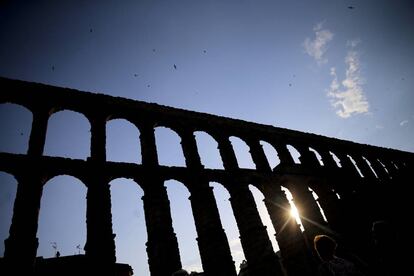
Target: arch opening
169	149
208	150
184	225
370	166
65	129
385	168
242	152
228	221
336	159
62	219
318	156
294	153
128	222
355	165
271	154
122	142
264	215
294	212
316	197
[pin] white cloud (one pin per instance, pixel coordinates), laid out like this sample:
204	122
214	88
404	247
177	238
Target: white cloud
348	96
316	48
403	122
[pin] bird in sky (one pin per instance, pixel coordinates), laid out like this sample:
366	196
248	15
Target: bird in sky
175	67
53	68
351	7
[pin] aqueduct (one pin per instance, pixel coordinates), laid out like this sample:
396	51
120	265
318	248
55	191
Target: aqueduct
364	174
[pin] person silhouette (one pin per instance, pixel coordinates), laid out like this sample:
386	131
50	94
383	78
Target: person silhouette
332	265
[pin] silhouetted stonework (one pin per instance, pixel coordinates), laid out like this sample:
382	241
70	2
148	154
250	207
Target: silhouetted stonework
351	202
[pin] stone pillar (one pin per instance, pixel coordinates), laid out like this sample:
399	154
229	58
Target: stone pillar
258	155
227	153
100	244
346	181
189	146
330	204
212	241
364	167
392	170
38	133
310	215
327	158
307	157
295	257
22	243
284	155
148	145
378	168
261	259
347	164
98	138
162	245
371	187
354	202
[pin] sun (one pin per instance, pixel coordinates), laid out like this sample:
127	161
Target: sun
295	214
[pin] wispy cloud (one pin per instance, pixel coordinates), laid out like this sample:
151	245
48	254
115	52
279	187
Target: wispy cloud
402	123
317	47
348	96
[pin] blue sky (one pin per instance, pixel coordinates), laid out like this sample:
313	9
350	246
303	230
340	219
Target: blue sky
312	66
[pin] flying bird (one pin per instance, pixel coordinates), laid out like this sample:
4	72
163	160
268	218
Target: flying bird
53	68
175	67
351	7
90	30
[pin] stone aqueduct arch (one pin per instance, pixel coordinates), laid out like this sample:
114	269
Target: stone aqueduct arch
343	193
